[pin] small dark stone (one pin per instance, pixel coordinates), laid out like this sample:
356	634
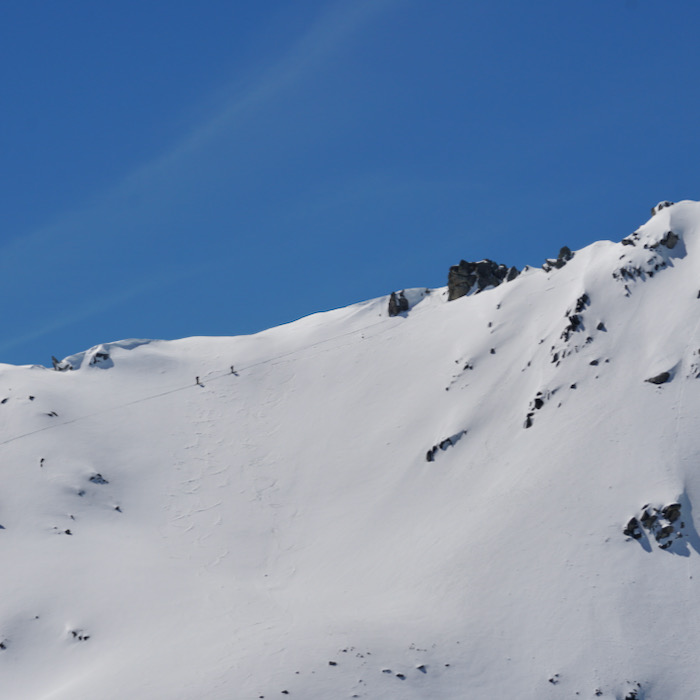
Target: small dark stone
493	351
664	532
400	676
98	479
601	327
659	378
332	663
573	386
672	512
632	529
648	519
593	362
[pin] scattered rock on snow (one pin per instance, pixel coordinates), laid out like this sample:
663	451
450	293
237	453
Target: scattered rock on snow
659	522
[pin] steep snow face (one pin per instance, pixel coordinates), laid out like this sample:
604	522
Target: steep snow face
472	498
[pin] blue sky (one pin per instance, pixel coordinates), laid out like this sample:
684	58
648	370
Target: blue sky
176	168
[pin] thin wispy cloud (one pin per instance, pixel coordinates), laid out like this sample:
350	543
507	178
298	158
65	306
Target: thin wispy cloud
80	239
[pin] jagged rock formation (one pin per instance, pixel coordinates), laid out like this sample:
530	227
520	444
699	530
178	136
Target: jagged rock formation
477	276
564	256
398	303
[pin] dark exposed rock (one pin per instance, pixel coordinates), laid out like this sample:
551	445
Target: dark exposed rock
648	519
632	529
397	303
669	240
60	366
102	355
659	378
664	531
477	276
564	256
443	445
672	512
601	327
582	302
98	479
661	205
658	522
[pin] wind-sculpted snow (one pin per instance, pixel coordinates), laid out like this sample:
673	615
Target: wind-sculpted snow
258	516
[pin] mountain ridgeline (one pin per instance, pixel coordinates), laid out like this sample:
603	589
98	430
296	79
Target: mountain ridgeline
484	491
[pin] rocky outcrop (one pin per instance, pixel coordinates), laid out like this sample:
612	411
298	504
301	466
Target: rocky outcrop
476	276
668	240
564	256
659	378
443	445
663	524
397	303
661	205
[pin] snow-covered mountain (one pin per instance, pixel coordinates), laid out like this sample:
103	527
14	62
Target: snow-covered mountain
487	498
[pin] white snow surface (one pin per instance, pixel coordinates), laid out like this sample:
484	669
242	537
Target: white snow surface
279	528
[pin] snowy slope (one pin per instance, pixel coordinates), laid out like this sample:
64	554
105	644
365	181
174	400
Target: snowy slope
295	526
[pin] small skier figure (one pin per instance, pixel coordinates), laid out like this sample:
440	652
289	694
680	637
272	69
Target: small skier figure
196	381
